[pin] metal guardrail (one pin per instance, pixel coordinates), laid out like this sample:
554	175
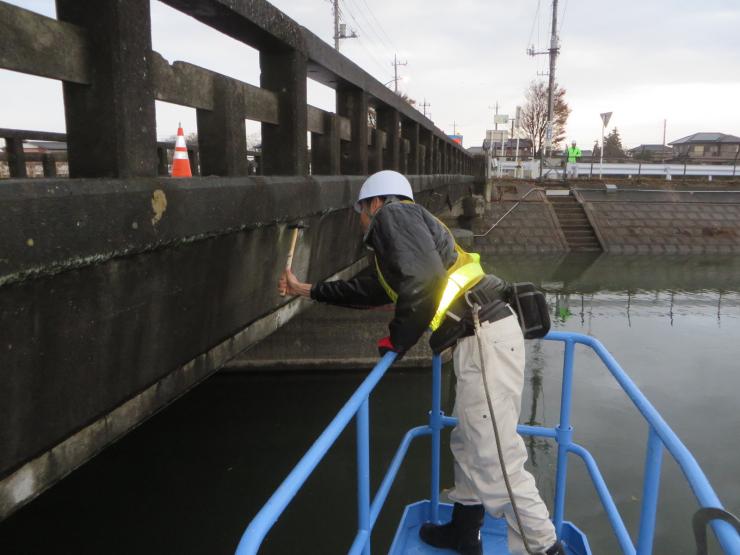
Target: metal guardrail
635	169
660	437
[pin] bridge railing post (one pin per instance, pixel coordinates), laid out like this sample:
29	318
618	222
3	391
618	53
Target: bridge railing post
222	139
120	99
16	156
325	153
410	131
285	146
49	164
375	159
352	103
427	143
389	121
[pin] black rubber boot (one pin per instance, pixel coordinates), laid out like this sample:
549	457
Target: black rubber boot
556	549
461	534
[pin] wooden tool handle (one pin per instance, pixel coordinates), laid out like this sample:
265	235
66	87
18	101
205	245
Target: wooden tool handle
289	262
293	241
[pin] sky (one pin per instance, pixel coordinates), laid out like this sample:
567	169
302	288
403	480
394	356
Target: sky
645	61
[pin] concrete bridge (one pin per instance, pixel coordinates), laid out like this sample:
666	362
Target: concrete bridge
121	289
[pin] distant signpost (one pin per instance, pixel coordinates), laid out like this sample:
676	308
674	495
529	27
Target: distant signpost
605	117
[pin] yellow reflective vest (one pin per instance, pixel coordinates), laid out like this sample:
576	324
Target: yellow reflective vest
461	277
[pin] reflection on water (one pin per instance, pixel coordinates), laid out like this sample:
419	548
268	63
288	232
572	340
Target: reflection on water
673	324
190	479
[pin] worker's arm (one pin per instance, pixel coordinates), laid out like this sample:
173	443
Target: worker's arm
361	291
404	244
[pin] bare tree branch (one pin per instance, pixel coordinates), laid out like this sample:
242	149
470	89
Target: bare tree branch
534	114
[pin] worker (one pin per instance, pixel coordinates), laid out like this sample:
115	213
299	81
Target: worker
433	284
574	153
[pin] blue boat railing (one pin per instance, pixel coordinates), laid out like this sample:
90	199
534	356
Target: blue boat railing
660	438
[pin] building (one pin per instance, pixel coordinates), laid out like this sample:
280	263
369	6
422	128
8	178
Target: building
651	153
706	147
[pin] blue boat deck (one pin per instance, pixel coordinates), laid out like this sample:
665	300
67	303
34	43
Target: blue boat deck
493	534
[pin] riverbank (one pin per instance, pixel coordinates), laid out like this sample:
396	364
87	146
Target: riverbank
625	217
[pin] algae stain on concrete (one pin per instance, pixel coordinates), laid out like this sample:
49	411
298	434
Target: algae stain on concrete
159	205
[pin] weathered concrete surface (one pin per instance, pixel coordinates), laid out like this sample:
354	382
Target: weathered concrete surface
107	288
327	337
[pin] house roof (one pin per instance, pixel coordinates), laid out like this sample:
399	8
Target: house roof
650	148
707	138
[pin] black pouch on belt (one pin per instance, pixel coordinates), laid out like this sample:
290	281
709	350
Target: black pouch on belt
531	308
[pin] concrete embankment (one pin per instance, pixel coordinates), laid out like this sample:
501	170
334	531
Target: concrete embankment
698	217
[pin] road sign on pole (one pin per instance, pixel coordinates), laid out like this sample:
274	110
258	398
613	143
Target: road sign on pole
605	117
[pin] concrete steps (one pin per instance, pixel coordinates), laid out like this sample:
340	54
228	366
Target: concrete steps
575	225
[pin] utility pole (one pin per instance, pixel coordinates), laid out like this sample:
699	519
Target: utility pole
553	52
662	154
395	65
340	29
336	24
424	106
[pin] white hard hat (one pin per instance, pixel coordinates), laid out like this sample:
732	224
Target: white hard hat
382	184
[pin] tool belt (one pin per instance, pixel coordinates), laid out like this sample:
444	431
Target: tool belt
490	294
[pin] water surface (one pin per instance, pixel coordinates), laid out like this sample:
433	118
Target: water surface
191	478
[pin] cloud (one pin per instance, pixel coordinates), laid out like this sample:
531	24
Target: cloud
646	61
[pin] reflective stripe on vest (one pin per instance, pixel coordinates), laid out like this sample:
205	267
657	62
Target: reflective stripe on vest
461	277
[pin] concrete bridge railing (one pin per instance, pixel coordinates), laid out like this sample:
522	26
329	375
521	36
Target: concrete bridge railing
101	51
121	289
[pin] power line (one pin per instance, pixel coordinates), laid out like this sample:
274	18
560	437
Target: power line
361	13
372	14
534	23
562	21
362	43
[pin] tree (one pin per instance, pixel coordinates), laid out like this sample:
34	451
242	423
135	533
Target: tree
596	152
534	114
613	145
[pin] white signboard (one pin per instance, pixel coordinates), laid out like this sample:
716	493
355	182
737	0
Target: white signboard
605	117
501	118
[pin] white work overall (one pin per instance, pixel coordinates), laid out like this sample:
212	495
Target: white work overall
478	477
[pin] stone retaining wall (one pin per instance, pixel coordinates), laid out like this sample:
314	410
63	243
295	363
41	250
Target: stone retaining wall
689	218
633	222
531	227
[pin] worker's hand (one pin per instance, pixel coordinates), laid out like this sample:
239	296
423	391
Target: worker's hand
385	345
291	285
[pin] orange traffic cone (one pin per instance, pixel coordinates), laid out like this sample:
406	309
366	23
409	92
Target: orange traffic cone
180	162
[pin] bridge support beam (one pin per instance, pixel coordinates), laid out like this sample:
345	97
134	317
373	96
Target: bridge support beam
285	146
221	132
410	131
325	154
352	104
389	120
120	98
